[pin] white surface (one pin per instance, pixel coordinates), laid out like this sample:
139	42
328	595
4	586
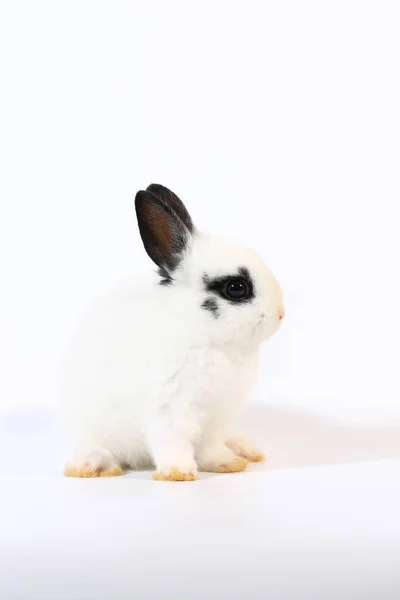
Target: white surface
285	530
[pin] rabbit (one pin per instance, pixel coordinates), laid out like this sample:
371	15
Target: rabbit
158	371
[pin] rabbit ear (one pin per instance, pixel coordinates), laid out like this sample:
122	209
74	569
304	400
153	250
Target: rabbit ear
164	232
165	195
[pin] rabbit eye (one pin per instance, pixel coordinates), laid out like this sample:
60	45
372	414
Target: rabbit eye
236	289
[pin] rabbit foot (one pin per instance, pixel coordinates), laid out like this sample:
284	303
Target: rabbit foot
88	471
93	462
174	474
217	458
236	465
243	447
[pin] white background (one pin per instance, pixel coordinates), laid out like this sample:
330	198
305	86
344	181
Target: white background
278	123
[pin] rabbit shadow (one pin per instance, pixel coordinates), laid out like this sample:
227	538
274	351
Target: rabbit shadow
295	439
289	438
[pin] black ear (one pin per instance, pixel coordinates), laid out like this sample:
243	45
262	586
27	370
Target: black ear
168	197
165	225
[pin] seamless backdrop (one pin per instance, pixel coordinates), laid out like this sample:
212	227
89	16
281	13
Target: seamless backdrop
278	125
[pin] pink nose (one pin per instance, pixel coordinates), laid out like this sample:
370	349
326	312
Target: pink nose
281	314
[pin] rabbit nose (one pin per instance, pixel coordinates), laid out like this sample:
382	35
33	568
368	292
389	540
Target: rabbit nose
281	314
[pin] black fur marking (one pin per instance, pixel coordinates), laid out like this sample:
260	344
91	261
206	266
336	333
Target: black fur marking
218	285
166	278
211	305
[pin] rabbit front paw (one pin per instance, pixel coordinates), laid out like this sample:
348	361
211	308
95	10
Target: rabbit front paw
183	470
174	474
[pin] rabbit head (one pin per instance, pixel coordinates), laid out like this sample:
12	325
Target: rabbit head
237	293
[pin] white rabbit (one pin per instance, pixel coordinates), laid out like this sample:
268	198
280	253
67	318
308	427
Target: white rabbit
157	372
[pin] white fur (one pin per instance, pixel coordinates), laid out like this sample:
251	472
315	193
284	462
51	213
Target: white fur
152	377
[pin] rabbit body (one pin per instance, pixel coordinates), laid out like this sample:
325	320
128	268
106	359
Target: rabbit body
157	374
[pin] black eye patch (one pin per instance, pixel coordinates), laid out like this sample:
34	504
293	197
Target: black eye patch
236	288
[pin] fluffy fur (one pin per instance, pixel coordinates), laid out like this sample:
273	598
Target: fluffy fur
153	376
